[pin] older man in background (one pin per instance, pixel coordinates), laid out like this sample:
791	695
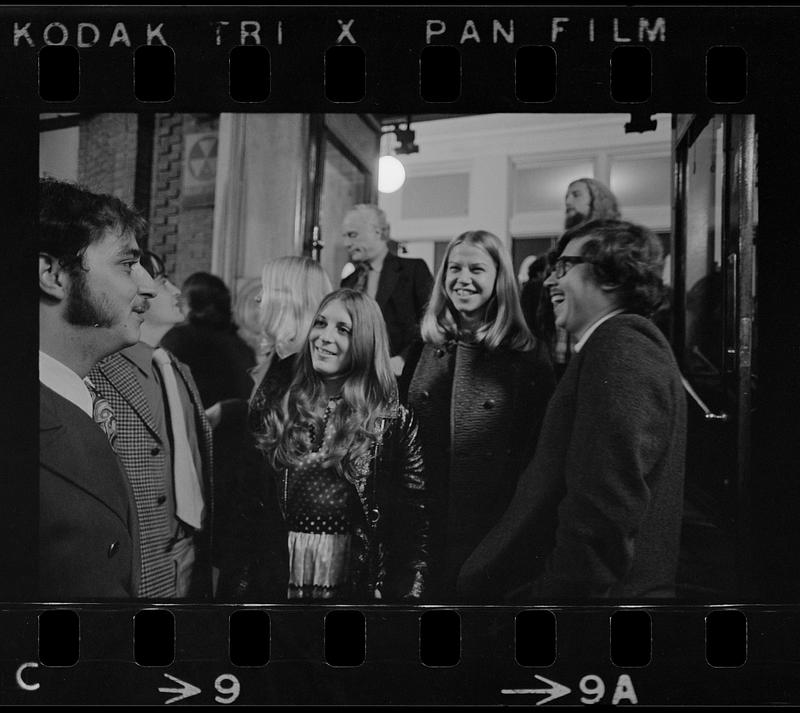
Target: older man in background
400	286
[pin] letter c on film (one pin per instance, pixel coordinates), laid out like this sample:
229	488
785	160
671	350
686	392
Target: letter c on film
26	686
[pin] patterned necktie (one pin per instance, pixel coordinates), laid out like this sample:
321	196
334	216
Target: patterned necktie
362	273
102	413
188	490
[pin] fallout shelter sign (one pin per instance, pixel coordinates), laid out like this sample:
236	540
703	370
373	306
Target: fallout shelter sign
199	169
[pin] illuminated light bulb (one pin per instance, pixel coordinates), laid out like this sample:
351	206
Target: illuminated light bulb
391	174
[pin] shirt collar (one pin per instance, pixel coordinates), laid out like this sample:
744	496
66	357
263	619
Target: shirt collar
58	377
377	262
141	356
588	333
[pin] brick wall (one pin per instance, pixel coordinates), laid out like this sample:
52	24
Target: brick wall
182	236
107	154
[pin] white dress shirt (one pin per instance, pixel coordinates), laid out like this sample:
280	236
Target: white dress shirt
65	382
588	333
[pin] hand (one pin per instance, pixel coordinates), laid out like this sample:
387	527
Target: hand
214	414
397	363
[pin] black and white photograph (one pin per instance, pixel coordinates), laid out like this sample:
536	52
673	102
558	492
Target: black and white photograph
434	388
468	441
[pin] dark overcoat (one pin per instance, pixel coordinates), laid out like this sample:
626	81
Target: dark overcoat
598	512
479	413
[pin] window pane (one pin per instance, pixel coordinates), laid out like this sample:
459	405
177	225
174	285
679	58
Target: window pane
544	188
641	181
343	186
440	196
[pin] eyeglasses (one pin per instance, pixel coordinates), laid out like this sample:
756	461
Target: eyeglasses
565	263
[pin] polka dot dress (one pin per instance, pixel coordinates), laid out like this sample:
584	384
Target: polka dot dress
321	507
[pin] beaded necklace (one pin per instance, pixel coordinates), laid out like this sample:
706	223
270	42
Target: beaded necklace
318	439
316	442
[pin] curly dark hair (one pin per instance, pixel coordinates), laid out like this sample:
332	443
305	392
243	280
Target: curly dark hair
71	218
627	255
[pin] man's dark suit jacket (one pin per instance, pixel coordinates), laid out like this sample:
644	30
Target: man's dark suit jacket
598	511
403	292
88	530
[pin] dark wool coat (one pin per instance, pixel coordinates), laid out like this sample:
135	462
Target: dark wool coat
142	452
598	511
254	561
479	415
88	531
403	292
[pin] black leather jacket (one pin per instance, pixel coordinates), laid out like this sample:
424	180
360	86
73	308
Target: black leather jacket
390	550
394	537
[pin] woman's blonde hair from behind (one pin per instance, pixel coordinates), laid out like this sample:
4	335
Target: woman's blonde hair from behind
291	290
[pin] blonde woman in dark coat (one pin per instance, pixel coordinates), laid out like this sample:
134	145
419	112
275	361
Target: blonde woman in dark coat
479	384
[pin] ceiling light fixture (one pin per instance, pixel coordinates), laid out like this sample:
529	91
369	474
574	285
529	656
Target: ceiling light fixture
391	172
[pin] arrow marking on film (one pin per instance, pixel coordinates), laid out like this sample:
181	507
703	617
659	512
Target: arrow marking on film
186	690
554	690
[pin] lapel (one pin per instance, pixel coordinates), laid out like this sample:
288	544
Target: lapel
199	411
71	445
390	274
117	371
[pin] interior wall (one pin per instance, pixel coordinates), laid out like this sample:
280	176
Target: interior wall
491	156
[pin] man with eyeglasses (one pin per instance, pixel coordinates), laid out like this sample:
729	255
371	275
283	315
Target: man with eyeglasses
587	199
597	513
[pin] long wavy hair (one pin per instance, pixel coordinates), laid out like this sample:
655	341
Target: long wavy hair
503	324
291	290
369	393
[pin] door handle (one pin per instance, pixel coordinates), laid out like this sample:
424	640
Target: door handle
709	414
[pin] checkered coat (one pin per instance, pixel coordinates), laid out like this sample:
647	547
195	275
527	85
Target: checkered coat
142	452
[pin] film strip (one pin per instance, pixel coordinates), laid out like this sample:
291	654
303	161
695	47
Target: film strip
703	648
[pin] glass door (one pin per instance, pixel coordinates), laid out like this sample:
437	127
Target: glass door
339	179
713	323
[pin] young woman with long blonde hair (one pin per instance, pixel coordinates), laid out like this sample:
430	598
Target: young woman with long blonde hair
479	383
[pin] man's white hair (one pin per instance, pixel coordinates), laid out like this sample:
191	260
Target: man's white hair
376	215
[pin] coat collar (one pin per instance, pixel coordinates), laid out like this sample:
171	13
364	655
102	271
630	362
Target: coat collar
116	370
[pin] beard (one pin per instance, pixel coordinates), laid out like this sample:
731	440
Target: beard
573	219
83	309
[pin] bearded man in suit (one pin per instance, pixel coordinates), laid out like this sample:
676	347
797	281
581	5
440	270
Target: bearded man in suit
400	286
93	295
